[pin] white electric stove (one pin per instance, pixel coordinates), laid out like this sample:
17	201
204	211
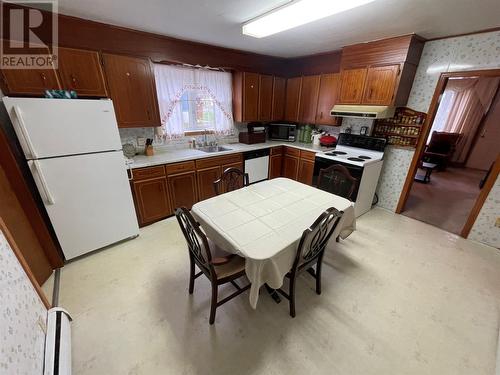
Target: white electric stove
363	157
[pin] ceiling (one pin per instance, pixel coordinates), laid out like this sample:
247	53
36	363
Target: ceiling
218	22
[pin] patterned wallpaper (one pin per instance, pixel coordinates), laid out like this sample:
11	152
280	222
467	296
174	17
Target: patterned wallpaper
474	52
21	338
483	229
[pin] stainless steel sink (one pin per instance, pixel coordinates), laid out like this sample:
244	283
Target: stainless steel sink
213	149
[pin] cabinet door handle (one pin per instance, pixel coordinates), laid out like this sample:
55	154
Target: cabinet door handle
149	114
43	77
127	74
73	78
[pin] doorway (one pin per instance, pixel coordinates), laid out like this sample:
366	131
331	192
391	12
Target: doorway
455	162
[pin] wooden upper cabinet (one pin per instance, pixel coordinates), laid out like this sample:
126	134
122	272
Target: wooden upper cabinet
81	71
309	99
279	93
292	101
380	85
329	90
246	96
352	84
132	88
30	81
265	97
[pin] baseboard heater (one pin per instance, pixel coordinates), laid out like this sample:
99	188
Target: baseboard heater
58	343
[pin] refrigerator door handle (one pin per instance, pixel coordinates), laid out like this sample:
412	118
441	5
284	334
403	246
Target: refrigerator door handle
24	133
37	170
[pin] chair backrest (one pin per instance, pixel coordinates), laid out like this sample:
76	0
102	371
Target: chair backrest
197	241
232	179
337	180
315	238
443	143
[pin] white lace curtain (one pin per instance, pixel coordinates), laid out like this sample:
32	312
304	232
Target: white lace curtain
171	84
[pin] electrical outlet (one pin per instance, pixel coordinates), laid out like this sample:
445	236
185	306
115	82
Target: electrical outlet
141	141
497	223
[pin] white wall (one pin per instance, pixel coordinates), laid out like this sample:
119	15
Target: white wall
474	52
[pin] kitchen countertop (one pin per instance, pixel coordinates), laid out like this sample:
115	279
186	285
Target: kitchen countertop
167	156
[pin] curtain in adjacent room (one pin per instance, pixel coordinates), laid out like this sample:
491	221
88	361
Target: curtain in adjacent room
462	108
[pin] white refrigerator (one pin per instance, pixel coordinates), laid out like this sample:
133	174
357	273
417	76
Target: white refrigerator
73	150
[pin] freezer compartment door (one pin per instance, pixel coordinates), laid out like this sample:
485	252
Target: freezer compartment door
88	200
57	127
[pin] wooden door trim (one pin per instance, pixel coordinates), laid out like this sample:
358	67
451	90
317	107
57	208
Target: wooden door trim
483	194
419	150
24	264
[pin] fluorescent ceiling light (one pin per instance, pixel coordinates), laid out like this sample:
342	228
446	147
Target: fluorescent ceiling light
297	13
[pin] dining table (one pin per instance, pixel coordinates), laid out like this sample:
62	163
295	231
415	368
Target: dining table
264	222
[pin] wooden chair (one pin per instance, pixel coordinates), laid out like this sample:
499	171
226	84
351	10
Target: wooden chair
220	267
310	251
441	148
337	180
232	179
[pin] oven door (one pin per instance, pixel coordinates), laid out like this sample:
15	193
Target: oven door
354	170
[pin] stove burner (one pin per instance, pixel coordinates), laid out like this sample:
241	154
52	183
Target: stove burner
355	159
364	157
336	153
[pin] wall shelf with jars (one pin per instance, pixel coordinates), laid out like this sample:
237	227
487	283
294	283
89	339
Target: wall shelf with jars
404	129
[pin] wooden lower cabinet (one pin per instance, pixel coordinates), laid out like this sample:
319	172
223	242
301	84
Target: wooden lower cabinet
152	201
275	166
290	166
206	178
183	190
306	170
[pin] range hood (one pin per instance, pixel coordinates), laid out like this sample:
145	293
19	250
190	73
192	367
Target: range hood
363	111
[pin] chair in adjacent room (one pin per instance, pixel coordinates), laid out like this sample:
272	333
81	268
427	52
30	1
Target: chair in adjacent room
441	148
232	179
218	266
310	252
337	180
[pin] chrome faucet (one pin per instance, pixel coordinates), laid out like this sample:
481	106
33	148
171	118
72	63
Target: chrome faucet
205	139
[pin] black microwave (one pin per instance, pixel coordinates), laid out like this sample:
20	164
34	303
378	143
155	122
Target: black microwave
282	132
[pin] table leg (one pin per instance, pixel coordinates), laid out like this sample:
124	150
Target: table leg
273	293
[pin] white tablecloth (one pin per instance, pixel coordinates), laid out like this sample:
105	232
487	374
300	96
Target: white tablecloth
264	222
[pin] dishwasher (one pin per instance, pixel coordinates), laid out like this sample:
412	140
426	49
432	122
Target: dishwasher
257	164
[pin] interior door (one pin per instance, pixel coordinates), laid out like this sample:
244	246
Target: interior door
88	200
57	127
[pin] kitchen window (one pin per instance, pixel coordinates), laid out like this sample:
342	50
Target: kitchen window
193	100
